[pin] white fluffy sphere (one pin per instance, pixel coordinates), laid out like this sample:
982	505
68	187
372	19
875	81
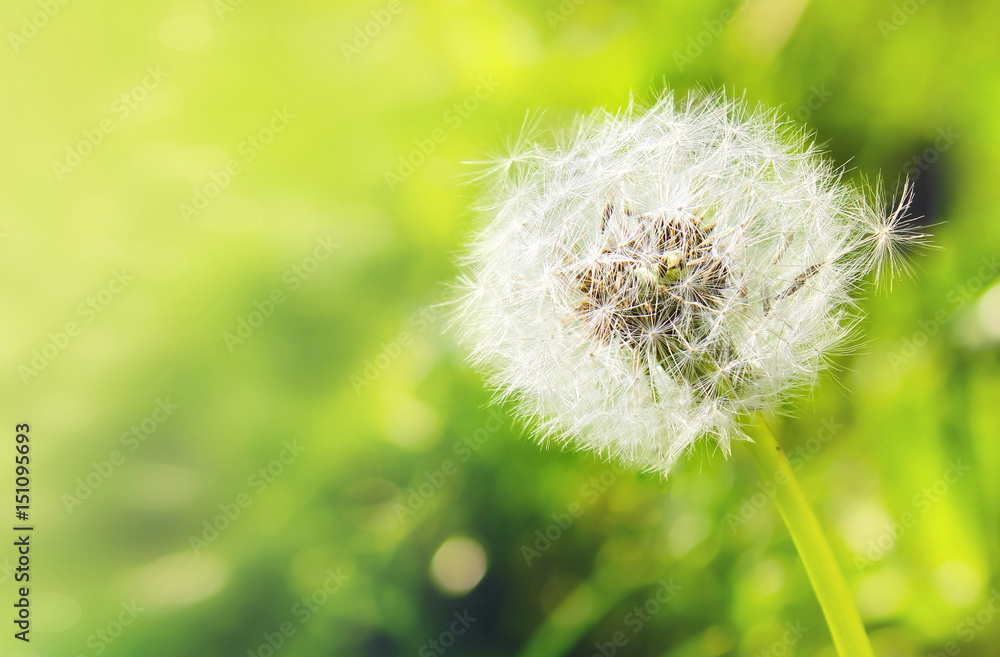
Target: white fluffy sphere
651	277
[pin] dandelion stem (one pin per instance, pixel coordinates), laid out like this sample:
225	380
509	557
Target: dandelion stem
834	597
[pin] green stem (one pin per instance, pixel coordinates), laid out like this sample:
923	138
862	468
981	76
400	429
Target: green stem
834	597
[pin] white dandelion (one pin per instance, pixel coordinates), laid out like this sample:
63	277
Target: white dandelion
652	277
663	275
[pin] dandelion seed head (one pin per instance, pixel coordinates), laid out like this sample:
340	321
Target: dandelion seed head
647	278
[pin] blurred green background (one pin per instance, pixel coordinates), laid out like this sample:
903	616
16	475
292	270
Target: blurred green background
224	227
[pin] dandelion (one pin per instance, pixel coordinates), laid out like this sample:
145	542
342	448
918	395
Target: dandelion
659	276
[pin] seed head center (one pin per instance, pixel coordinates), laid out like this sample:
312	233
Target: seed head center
657	291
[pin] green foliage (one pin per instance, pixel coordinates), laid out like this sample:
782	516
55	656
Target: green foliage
209	149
